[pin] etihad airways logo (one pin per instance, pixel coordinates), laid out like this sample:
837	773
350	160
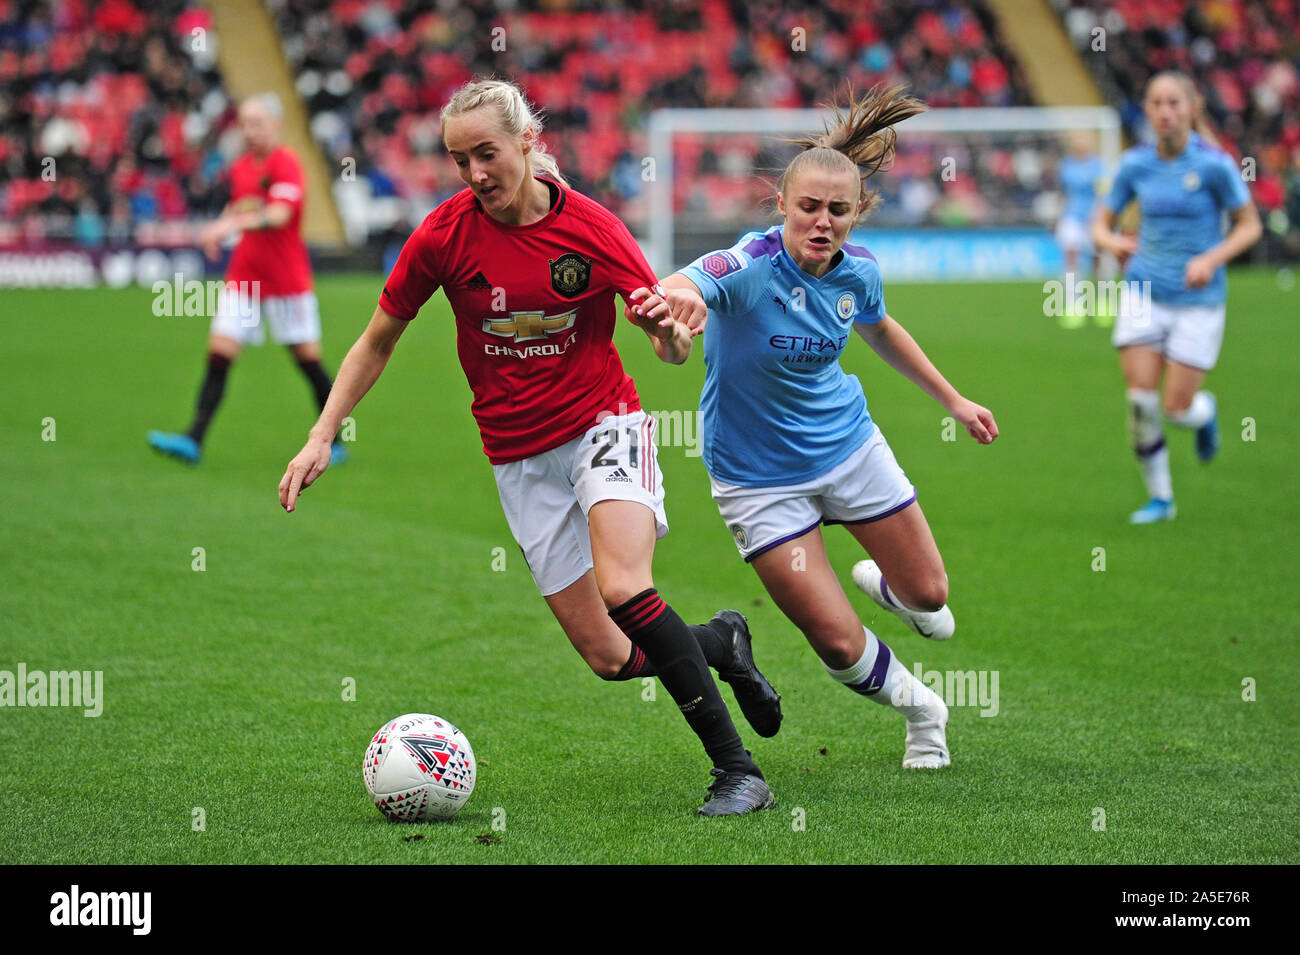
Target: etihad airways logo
530	327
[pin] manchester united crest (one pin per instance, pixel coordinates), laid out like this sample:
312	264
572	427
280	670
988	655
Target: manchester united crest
570	274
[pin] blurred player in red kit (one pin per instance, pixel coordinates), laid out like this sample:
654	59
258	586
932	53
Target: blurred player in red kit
269	279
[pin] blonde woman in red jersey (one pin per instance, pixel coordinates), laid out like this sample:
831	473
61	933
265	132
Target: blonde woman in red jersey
530	269
269	276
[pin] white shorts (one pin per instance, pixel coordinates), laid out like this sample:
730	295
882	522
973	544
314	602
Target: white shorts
546	497
1074	234
1188	334
867	487
294	319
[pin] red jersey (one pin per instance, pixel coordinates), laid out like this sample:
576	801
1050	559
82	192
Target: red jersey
275	257
535	314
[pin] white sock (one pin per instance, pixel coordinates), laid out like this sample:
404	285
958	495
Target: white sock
880	677
1149	442
1196	415
1155	472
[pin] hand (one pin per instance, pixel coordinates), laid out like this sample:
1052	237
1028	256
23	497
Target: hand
306	467
977	420
1200	270
689	308
210	238
1122	245
650	312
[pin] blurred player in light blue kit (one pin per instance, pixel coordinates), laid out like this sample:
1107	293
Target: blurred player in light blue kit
1081	174
788	442
1173	305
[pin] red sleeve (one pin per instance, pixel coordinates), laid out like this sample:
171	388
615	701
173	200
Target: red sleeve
627	265
286	180
415	276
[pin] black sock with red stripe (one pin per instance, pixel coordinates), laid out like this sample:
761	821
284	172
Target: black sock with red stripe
637	665
713	644
670	646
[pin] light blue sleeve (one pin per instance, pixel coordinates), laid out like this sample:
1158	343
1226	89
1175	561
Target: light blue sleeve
873	303
730	281
1226	185
1121	190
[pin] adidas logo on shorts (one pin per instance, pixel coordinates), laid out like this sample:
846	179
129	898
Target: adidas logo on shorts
619	475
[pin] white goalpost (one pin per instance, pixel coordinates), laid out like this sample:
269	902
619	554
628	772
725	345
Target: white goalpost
773	124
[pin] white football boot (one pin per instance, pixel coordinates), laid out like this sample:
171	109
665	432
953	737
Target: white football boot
927	738
935	625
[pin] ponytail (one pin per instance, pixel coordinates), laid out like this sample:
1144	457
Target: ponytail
858	138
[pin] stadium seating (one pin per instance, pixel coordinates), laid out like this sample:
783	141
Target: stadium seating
1242	57
376	75
111	120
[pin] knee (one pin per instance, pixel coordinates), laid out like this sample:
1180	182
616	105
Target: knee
839	649
602	647
928	595
619	590
604	667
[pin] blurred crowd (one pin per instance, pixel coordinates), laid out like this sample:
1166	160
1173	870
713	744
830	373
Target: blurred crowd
114	125
375	75
1245	58
112	117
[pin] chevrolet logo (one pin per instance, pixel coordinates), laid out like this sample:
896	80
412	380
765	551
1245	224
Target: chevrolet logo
529	326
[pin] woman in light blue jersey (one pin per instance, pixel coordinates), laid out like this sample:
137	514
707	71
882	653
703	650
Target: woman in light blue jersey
788	442
1171	314
1080	174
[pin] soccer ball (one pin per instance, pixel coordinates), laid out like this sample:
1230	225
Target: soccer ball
419	768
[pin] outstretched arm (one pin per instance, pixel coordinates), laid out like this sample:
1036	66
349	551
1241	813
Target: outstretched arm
364	363
687	302
271	216
651	312
891	341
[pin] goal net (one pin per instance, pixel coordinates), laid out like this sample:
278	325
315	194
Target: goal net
973	193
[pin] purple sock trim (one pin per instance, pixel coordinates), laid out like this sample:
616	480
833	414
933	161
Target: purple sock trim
876	679
1152	448
884	592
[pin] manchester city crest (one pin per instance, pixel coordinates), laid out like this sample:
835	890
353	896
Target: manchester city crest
570	274
1191	182
846	305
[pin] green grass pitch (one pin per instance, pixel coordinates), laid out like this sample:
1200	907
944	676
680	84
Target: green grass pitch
1120	690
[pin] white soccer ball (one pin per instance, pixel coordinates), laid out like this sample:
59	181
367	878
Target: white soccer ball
419	768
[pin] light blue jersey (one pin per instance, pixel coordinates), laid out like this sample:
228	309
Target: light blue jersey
777	408
1182	201
1080	178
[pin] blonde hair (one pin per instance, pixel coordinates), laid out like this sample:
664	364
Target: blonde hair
859	138
515	115
268	103
1194	97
